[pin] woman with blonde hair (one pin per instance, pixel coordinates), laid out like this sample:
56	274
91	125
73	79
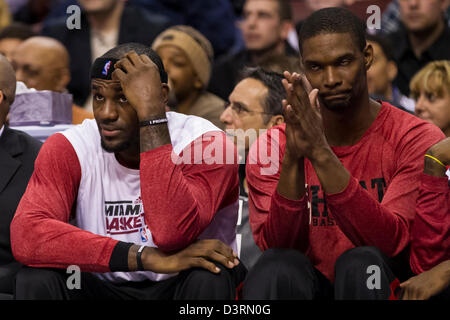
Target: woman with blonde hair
430	88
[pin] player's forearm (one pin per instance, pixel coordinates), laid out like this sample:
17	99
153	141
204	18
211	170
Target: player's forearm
152	259
183	198
333	176
366	222
428	233
446	268
292	178
38	241
433	167
173	212
286	224
154	136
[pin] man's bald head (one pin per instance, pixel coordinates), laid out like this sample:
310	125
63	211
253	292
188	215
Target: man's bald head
42	63
7	87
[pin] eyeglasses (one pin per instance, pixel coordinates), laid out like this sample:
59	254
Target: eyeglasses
239	109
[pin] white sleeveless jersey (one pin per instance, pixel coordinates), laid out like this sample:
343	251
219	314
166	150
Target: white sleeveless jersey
109	196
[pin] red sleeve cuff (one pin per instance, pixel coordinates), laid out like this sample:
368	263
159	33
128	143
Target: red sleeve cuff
346	194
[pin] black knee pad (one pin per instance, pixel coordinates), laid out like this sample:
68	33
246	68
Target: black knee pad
283	260
37	283
358	257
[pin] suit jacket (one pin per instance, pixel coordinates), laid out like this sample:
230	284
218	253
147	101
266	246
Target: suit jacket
18	152
137	25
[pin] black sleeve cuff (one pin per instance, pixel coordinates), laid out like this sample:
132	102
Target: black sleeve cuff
119	257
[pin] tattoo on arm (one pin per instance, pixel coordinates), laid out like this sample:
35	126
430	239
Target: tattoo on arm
152	137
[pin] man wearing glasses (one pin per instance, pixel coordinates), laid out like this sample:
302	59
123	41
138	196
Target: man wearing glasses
254	106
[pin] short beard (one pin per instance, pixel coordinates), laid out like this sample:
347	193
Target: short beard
119	148
335	108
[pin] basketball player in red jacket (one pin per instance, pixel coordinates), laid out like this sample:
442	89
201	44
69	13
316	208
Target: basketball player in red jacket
430	235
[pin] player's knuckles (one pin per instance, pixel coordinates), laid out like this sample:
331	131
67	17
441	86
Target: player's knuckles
217	244
195	262
207	252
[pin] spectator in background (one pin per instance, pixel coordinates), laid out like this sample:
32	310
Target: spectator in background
187	56
17	154
390	20
104	24
214	19
430	87
265	27
42	63
423	37
254	104
33	12
382	73
11	36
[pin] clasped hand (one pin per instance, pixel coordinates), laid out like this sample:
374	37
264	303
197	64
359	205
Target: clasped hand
305	135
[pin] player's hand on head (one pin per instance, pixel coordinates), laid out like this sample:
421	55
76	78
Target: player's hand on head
141	84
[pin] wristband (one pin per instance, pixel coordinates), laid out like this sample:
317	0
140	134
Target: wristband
140	267
153	122
437	160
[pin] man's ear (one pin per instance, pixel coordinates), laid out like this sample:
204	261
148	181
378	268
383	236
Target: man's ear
64	79
165	93
368	56
392	70
276	120
4	108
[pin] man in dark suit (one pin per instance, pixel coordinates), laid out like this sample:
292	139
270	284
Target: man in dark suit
17	154
104	25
